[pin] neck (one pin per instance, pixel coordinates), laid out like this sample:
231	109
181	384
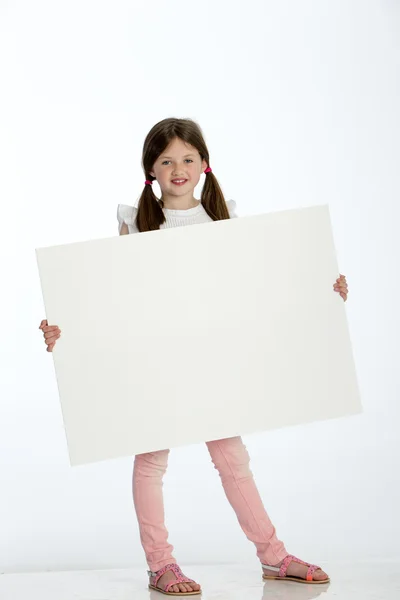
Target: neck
179	202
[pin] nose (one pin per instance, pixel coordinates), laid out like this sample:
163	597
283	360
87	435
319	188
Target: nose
178	170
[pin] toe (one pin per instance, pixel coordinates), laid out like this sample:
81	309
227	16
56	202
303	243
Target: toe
320	575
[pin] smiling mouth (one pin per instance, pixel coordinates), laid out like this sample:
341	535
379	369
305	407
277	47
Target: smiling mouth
179	181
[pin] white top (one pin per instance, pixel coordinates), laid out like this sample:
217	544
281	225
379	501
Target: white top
173	218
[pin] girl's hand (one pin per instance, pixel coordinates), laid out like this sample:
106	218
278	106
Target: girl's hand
51	333
340	286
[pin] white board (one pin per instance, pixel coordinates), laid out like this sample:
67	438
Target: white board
198	333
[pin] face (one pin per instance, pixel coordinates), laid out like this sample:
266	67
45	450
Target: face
178	169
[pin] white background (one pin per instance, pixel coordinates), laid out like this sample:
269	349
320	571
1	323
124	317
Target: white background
299	103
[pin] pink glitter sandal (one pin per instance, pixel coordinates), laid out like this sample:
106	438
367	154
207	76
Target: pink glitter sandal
180	578
281	572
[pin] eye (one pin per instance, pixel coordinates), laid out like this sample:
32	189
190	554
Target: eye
167	162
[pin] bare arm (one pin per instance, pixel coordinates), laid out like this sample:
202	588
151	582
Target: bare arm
124	229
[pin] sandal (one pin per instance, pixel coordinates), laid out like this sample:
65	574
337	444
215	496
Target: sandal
180	578
282	570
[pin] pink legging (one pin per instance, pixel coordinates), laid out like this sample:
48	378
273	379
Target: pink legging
231	459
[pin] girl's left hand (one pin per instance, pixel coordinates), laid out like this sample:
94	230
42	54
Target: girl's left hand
340	286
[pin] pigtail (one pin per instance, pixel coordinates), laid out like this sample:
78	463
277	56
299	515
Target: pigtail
150	215
213	199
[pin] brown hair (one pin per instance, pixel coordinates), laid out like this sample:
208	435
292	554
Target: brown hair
150	214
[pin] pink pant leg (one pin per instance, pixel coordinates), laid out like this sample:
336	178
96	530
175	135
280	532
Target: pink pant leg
231	459
148	473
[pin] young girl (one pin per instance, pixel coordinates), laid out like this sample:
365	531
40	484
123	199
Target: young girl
175	154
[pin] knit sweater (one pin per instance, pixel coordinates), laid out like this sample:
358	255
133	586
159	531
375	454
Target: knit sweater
173	218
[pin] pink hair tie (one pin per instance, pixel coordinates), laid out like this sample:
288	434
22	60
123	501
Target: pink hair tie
208	170
148	182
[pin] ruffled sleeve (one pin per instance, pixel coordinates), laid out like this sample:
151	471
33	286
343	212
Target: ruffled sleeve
127	214
231	204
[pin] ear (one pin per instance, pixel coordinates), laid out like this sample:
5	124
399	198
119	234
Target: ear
204	165
153	174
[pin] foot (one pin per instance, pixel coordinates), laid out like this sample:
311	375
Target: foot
179	587
299	570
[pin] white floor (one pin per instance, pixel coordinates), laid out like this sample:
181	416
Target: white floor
362	581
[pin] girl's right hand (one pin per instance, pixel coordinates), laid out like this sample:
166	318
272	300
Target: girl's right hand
51	333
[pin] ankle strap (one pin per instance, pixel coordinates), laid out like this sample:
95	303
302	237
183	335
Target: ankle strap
163	570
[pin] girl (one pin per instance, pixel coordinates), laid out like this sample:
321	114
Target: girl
175	154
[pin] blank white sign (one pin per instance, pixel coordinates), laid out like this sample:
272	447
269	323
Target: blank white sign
198	333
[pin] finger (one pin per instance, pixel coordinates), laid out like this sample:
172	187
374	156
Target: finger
50	348
48	334
51	328
51	335
43	323
341	290
344	296
51	341
51	344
